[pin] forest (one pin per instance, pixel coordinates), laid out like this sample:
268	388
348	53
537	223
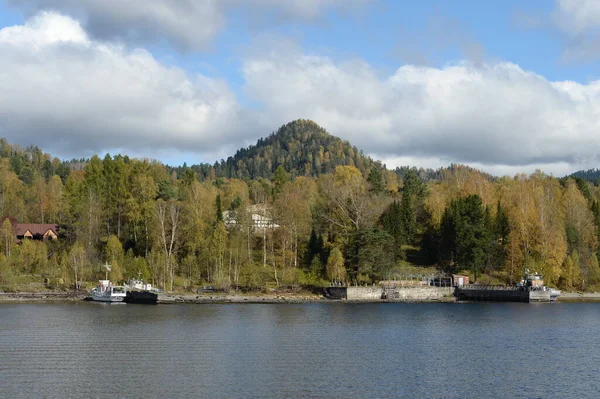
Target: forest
300	208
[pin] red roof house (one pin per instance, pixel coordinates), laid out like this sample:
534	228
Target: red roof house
36	230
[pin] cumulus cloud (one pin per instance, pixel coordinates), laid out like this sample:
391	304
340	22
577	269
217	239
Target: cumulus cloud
65	92
579	21
486	114
187	24
578	16
73	96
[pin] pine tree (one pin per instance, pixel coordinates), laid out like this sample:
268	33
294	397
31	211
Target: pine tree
391	221
413	191
463	235
280	178
375	180
314	248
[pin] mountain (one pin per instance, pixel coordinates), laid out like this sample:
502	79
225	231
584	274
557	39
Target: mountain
302	147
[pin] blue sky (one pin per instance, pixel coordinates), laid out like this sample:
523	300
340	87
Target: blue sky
506	86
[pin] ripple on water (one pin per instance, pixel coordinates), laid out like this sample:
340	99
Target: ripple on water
299	350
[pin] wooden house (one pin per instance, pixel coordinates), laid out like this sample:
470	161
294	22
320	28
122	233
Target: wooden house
36	231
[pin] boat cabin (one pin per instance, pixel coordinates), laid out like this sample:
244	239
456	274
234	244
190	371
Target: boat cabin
532	279
139	285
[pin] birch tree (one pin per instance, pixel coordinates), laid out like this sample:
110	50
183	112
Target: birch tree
167	218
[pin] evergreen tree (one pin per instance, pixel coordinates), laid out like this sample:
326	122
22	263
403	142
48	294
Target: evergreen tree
463	243
499	232
376	255
391	221
314	248
280	178
375	180
413	192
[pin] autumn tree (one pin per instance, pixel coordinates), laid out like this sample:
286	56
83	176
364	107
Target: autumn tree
115	256
79	264
335	266
167	221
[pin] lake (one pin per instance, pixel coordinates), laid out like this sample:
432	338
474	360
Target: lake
321	350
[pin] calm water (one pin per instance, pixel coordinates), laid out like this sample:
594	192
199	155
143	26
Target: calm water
90	350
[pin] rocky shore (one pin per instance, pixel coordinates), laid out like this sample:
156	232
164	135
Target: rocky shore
44	296
175	298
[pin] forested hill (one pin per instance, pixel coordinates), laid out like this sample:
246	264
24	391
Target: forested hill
360	222
302	147
591	175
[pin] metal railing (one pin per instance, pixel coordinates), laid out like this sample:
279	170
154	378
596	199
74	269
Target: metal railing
478	287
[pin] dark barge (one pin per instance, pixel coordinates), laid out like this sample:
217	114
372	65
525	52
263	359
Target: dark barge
144	297
530	289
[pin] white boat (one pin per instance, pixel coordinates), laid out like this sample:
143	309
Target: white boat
106	292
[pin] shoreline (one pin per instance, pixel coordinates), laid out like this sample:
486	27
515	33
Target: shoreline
175	298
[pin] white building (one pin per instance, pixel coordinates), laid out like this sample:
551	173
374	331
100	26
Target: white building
260	215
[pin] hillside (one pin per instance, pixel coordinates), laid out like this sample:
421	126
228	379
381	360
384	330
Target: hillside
302	147
166	223
590	175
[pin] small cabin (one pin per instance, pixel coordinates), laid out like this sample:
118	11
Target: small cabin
458	280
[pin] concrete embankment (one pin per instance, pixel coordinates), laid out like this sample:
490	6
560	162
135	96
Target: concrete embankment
579	296
409	294
166	298
397	294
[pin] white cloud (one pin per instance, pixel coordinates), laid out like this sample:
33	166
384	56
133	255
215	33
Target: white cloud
72	95
579	22
556	169
305	9
65	92
577	16
487	114
187	24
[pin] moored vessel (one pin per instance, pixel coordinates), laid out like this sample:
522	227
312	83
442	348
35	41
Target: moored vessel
140	292
530	289
106	292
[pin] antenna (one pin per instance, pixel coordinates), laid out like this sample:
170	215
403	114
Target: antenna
108	269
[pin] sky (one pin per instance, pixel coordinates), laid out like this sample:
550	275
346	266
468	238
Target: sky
505	86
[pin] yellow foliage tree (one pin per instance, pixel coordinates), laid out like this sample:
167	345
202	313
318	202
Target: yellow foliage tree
115	256
335	266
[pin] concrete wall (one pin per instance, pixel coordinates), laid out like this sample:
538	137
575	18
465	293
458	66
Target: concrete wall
374	293
422	293
365	293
